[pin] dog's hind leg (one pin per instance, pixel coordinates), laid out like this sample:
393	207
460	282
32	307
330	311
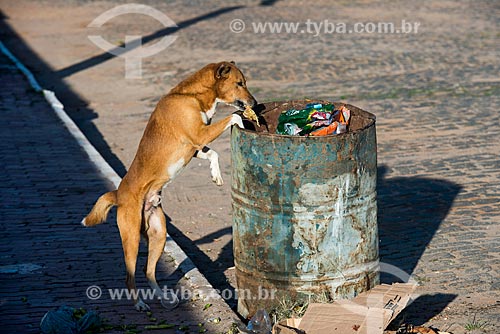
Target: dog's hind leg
209	154
129	223
156	230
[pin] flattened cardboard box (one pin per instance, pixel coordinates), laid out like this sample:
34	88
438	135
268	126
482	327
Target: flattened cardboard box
369	313
288	326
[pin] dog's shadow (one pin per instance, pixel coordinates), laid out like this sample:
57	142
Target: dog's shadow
213	271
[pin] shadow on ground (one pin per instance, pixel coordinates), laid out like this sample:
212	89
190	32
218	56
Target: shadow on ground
75	105
410	211
213	271
423	309
105	56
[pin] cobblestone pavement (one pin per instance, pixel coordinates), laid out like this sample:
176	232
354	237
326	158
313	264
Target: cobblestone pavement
48	259
435	94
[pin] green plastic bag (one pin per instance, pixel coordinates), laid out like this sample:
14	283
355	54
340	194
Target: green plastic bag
303	121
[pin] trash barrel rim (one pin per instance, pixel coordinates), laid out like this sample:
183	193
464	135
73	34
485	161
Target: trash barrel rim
364	114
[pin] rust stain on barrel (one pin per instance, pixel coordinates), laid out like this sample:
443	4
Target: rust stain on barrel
304	212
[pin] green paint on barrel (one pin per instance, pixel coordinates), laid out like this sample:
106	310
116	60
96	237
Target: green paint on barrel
304	212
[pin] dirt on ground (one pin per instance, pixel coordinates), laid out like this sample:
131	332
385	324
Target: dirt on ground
435	92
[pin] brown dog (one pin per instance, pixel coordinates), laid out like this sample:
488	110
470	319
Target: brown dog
178	129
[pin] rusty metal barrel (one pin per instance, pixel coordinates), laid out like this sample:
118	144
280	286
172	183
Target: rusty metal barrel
304	211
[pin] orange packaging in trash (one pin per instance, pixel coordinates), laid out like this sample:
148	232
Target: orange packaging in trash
337	126
325	131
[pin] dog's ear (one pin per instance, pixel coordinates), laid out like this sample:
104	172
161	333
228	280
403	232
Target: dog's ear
222	71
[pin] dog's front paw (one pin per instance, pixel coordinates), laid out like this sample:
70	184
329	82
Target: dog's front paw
214	167
217	179
141	306
236	120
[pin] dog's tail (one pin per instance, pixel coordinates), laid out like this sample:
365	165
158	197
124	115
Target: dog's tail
100	210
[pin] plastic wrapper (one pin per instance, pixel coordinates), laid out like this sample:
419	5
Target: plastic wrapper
68	320
260	323
315	120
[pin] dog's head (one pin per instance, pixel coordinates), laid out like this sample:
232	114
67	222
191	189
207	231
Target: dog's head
231	86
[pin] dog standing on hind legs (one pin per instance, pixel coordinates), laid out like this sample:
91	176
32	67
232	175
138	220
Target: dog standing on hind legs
179	129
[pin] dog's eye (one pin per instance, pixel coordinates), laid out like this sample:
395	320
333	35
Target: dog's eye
240	83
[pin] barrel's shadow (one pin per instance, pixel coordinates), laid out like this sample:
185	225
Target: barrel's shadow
423	309
410	211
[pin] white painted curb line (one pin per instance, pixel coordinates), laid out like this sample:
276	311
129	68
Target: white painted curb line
199	283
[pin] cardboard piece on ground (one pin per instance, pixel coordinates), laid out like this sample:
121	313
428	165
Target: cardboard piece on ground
368	313
288	326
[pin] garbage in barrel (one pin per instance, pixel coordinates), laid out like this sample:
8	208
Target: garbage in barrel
304	210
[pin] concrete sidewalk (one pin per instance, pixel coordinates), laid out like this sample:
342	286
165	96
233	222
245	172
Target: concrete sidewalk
47	258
